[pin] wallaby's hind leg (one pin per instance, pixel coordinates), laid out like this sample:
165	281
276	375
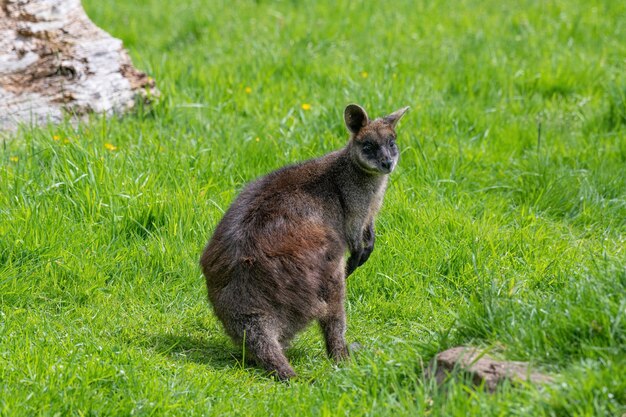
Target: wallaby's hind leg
334	329
267	351
333	323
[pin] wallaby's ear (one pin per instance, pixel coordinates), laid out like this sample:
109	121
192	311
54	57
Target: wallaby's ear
355	118
393	118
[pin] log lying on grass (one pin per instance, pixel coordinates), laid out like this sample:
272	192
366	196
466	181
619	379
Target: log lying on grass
54	61
482	369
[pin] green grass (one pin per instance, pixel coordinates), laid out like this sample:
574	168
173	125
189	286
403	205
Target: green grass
504	225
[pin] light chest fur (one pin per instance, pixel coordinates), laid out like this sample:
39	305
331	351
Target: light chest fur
365	205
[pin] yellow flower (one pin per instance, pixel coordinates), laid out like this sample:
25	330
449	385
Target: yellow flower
14	159
257	139
364	74
248	90
55	138
110	147
67	140
306	106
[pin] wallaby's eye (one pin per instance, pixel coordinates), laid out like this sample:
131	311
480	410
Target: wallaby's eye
392	144
368	147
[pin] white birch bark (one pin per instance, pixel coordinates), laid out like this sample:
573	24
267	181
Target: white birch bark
54	62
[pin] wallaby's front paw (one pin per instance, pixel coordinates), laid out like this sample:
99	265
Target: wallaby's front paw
367	251
353	263
369	238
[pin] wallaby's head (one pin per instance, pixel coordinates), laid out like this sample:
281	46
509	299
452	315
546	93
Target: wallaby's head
373	142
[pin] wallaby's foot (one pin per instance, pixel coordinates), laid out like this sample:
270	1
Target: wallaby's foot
339	354
334	329
278	372
285	374
267	352
275	362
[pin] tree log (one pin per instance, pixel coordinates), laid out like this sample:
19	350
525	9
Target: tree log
55	62
482	369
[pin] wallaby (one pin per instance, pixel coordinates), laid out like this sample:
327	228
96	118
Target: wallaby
276	259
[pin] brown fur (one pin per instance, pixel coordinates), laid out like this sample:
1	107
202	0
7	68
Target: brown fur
276	260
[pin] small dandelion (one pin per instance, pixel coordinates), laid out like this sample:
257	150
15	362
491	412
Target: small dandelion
257	139
364	74
110	147
56	138
306	106
14	158
248	90
67	140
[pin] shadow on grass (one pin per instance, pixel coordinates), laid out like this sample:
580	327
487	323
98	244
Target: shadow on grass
217	354
213	353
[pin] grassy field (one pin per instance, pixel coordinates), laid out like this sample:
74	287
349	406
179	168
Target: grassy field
504	225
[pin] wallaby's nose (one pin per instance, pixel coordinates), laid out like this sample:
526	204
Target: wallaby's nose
387	164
